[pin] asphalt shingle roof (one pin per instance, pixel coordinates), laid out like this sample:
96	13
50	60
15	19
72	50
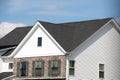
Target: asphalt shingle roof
5	74
14	37
68	35
8	52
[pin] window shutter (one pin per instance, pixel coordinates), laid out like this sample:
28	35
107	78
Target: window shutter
59	67
42	68
49	68
33	68
18	69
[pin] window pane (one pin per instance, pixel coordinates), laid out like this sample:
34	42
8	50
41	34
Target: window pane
10	65
101	66
38	64
38	72
101	74
71	67
39	68
72	63
23	67
22	72
54	63
40	41
71	71
54	67
54	71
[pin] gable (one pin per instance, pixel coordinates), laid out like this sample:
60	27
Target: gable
31	48
68	35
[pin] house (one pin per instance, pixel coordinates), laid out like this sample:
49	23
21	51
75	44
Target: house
86	50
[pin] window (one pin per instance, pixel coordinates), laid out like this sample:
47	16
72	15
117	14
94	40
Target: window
54	67
22	68
40	41
71	67
101	70
10	65
38	68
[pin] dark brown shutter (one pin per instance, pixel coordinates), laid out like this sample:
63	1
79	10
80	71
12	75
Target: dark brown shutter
59	67
33	68
18	69
49	68
42	68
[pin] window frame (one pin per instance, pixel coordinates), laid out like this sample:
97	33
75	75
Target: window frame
72	67
40	69
102	71
10	66
39	41
54	70
20	71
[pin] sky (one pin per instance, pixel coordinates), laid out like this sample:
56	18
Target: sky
17	13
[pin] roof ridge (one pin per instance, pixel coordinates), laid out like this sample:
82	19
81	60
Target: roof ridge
63	33
86	21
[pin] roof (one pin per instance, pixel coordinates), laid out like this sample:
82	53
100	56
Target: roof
68	35
14	37
5	74
8	52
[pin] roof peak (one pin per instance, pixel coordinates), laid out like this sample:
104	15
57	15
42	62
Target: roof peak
66	34
75	21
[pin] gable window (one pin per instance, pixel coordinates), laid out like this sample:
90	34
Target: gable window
54	67
38	68
22	68
101	70
39	41
71	67
10	65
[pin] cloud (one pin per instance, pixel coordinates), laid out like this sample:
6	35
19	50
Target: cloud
6	27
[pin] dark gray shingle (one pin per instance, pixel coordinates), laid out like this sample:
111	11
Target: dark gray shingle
14	37
68	35
5	74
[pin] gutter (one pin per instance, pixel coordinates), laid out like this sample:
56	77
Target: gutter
8	77
7	48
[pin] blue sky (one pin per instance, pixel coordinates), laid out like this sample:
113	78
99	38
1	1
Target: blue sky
57	11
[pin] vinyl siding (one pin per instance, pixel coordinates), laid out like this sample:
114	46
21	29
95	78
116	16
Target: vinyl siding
104	47
4	63
31	48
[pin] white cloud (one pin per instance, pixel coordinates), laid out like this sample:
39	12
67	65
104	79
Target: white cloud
6	27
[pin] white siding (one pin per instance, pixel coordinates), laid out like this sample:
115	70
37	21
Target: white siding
30	48
1	65
5	65
104	47
1	61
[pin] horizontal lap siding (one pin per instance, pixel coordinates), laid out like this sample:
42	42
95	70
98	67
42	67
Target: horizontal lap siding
103	48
